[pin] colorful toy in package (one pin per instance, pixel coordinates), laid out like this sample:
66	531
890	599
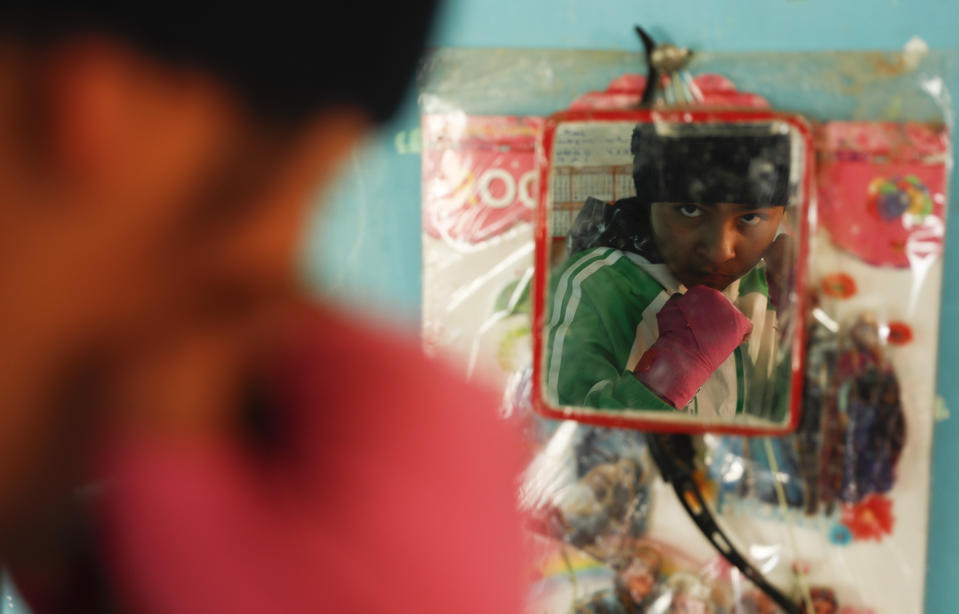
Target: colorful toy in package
882	189
833	514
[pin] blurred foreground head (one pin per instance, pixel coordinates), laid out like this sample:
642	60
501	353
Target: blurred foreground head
156	163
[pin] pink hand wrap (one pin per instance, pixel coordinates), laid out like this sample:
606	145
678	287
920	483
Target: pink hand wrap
697	332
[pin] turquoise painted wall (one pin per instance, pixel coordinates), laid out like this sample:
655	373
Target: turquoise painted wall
365	246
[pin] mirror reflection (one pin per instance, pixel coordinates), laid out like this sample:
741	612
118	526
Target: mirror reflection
670	294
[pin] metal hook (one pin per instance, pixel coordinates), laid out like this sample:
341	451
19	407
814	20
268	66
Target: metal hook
660	59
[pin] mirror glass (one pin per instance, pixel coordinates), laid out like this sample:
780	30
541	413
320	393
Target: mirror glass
668	269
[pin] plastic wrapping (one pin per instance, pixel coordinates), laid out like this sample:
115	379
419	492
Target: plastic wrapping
835	514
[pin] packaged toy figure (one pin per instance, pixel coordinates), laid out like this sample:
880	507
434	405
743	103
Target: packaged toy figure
609	502
822	600
757	602
595	495
686	594
851	430
634	588
863	393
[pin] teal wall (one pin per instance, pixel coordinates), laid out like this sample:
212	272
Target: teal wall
366	246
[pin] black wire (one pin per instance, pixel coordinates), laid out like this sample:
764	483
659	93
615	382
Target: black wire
652	75
674	455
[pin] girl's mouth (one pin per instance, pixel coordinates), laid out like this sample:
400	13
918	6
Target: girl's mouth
717	281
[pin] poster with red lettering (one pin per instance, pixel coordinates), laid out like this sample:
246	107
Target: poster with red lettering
479	192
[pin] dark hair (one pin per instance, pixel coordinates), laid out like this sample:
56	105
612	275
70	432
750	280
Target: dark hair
622	225
284	59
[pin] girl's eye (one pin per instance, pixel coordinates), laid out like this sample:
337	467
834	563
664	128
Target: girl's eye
690	210
751	219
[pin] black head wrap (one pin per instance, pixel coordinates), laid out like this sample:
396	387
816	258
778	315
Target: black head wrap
698	164
687	163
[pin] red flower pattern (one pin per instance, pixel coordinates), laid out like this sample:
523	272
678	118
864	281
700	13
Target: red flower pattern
900	333
838	285
871	518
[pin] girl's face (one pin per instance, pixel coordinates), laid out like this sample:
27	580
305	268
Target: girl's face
712	245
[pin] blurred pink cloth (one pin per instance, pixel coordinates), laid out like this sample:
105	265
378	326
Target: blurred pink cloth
393	489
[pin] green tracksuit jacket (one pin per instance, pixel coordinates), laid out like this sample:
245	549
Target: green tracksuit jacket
601	317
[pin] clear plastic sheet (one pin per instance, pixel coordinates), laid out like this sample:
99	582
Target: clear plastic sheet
835	514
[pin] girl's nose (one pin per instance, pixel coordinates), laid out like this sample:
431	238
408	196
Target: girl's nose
718	245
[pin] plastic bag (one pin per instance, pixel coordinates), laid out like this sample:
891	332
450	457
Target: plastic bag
834	514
